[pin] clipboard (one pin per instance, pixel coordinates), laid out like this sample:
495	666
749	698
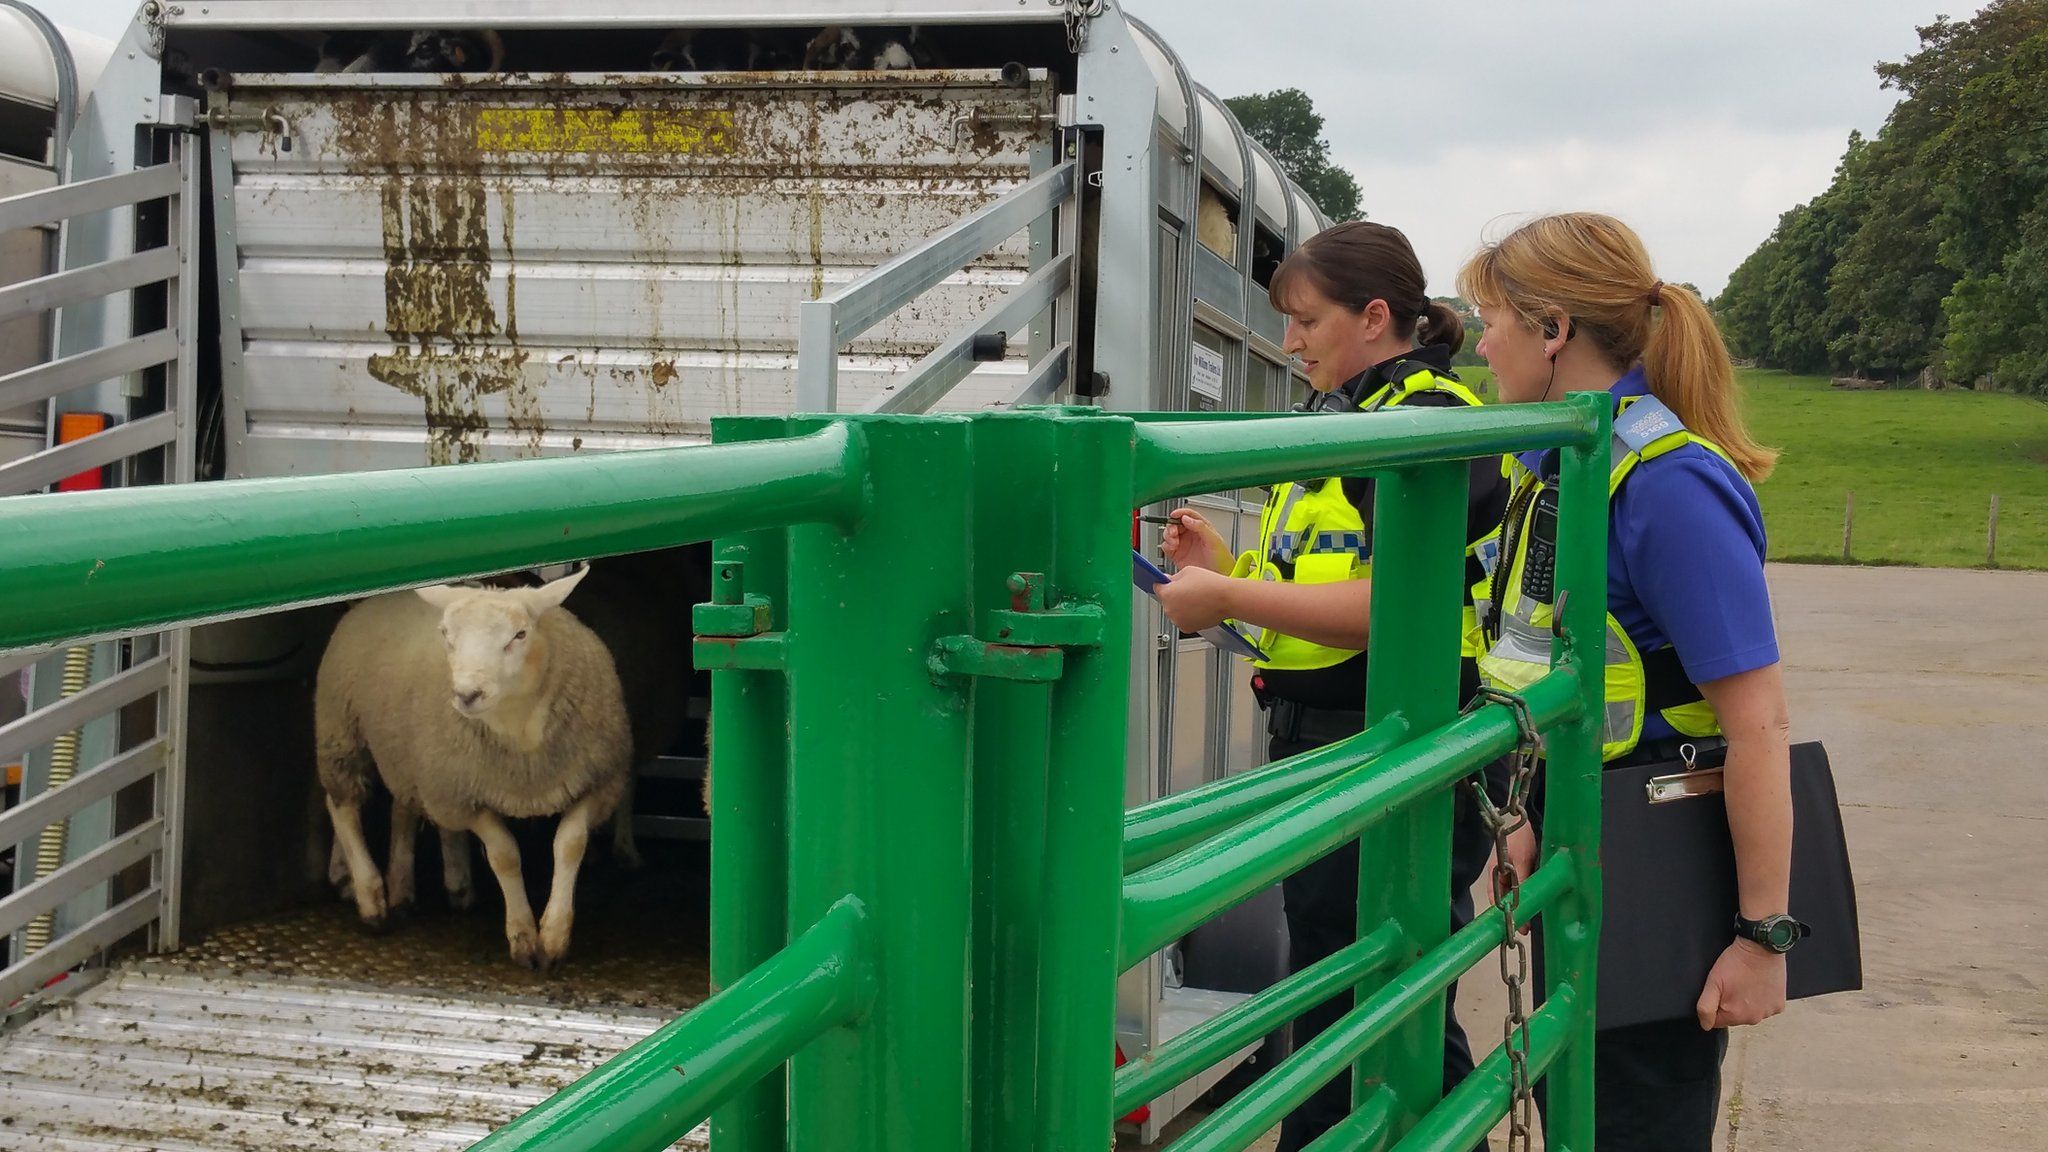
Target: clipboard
1668	876
1225	636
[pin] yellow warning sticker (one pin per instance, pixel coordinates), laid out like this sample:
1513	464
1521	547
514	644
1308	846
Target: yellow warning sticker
602	131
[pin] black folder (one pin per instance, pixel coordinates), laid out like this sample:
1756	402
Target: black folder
1669	896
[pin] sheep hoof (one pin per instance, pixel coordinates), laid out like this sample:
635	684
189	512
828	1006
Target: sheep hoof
554	941
370	905
462	899
525	949
627	855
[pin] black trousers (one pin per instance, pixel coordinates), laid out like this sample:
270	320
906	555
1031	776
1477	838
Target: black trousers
1322	917
1657	1087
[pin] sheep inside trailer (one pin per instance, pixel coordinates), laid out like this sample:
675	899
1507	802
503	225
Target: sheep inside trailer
417	239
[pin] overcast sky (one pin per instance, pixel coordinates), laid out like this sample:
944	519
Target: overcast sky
1696	123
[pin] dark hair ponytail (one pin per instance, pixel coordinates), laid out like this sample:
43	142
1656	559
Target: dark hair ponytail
1441	324
1360	261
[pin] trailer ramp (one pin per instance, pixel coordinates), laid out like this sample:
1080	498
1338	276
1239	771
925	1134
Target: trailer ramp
159	1057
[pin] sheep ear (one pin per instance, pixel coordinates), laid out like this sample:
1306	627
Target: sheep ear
552	593
439	595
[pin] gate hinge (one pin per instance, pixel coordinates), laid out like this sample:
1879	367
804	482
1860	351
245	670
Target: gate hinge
1030	638
733	629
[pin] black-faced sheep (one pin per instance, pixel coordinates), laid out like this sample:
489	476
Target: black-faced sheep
473	704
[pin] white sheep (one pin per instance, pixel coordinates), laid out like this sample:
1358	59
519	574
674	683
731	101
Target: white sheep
1213	224
473	704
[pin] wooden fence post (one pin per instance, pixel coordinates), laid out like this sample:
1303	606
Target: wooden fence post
1991	536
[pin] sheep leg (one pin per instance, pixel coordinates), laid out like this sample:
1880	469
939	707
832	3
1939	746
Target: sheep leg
455	870
571	837
363	874
337	869
625	852
503	853
398	875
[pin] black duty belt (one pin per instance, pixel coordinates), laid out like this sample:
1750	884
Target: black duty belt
1294	721
1708	752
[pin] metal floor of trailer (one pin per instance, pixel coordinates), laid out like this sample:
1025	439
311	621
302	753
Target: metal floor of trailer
306	1031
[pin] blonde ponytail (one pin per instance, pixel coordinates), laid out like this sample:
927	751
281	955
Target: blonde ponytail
1594	269
1688	367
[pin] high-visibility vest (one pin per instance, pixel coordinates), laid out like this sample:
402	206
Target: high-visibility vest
1518	635
1311	533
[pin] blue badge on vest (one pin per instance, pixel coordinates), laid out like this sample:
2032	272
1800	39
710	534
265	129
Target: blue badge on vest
1489	553
1645	422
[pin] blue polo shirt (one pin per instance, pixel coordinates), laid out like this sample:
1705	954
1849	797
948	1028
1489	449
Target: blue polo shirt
1685	560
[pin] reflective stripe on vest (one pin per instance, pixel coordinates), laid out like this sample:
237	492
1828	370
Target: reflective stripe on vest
1310	533
1644	429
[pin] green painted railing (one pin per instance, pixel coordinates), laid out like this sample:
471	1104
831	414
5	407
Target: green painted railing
924	881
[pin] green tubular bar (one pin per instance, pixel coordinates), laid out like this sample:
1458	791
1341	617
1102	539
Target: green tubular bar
750	873
136	559
1176	459
1180	821
1085	790
1369	1128
1013	526
1252	1112
651	1095
1404	859
879	799
1167	899
1246	1022
1572	772
1475	1106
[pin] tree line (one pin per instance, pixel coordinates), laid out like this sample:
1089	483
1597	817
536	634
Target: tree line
1928	253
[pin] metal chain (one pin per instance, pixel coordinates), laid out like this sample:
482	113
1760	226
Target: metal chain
1503	821
1079	12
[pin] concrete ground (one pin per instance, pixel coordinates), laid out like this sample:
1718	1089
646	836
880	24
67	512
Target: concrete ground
1930	690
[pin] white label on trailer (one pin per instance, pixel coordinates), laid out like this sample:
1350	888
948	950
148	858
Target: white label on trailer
1207	378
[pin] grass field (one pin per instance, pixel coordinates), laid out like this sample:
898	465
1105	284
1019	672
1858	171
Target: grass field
1923	467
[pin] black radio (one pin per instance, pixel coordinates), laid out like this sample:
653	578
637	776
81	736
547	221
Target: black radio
1539	573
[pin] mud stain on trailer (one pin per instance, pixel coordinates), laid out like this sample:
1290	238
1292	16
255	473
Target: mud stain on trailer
717	185
449	346
524	413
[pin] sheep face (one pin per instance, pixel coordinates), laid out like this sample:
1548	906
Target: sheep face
495	651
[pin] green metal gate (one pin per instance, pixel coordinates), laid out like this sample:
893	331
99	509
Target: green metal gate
924	880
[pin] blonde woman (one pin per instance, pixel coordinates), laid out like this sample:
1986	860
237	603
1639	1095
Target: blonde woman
1570	303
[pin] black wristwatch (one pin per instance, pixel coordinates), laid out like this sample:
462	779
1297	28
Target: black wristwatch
1778	933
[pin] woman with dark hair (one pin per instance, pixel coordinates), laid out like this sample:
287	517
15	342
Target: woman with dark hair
1369	338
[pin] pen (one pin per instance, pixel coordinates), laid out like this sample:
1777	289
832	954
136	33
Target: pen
1159	519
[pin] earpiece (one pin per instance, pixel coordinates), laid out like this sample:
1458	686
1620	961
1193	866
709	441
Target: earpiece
1550	329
